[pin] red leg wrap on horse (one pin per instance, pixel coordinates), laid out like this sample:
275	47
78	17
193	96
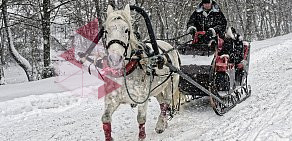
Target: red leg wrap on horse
142	134
163	108
107	131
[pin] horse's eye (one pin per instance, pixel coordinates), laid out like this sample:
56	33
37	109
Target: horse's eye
127	30
117	18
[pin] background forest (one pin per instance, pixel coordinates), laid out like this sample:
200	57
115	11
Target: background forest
31	29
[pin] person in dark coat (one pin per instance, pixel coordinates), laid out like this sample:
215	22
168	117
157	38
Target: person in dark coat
207	17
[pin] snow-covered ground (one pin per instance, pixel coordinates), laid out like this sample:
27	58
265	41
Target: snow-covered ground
71	115
71	78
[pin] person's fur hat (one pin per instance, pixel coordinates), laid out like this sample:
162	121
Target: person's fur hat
206	1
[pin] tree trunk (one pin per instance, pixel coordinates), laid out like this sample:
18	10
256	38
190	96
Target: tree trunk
2	76
263	25
277	19
98	13
48	71
248	29
240	14
256	24
22	62
160	18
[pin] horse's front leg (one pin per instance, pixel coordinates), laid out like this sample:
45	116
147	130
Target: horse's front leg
164	102
110	107
141	118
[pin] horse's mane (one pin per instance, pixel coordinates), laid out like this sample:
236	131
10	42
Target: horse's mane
124	16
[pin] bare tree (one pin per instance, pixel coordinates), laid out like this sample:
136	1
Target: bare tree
38	21
16	56
46	38
2	63
249	20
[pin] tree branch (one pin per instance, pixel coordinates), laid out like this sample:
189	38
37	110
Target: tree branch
52	9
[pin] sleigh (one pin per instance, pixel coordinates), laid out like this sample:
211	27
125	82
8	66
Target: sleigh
225	75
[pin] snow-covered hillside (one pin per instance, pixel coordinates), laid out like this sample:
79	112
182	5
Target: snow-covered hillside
69	115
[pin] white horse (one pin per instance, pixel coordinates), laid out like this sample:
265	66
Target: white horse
120	43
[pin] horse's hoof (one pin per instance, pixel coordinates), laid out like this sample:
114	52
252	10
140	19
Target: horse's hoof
111	139
141	139
160	128
142	136
133	105
159	131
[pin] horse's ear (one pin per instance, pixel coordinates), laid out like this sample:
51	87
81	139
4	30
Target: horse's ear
127	10
110	9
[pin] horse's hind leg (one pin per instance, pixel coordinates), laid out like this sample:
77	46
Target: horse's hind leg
141	118
164	102
107	117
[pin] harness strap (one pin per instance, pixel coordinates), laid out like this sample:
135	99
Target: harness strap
126	46
171	113
129	68
164	52
162	82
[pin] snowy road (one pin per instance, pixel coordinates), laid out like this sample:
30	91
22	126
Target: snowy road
266	115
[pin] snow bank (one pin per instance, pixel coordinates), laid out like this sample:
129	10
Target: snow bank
266	115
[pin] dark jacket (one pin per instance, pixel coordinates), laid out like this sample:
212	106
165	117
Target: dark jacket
215	19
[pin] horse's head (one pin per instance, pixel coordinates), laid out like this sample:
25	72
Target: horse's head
118	36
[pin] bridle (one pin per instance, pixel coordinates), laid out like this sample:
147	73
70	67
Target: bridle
116	41
130	66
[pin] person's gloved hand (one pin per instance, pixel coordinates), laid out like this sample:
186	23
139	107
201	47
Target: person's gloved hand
192	30
211	32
